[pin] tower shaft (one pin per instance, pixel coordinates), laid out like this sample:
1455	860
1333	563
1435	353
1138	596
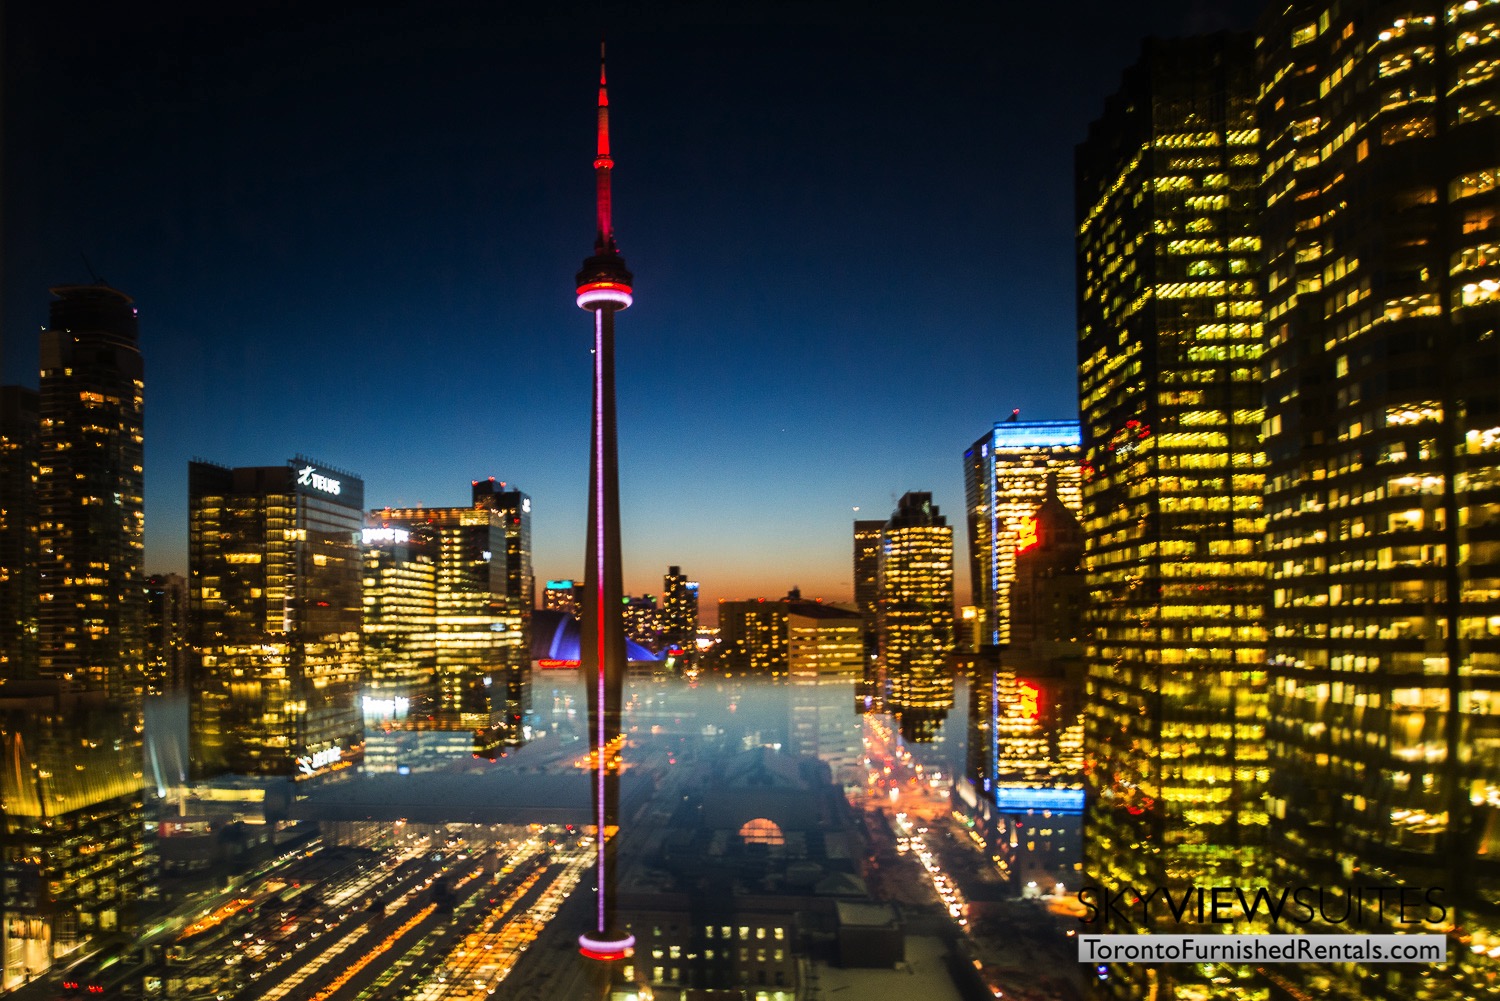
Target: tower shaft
603	288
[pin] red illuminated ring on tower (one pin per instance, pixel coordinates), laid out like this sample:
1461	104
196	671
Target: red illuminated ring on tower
607	949
595	294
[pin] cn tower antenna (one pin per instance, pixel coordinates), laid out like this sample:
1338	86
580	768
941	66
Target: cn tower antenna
604	241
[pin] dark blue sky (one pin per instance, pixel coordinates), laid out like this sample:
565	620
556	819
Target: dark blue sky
351	231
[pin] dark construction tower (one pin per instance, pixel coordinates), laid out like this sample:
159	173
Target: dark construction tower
603	288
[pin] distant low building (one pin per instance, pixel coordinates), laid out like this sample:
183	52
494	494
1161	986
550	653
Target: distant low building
790	635
562	596
824	640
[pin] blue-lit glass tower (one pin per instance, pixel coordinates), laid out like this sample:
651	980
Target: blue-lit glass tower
1005	481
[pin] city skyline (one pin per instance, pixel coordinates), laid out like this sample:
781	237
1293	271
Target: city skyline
1235	621
292	289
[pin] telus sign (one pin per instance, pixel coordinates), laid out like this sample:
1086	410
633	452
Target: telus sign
308	477
309	764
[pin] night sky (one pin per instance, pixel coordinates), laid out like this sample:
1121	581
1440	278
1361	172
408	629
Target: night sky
351	232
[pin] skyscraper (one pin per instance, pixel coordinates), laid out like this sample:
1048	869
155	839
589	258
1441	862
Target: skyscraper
166	634
1048	595
869	694
275	573
514	506
479	629
1169	347
76	859
19	431
1005	479
90	489
603	288
1381	128
401	618
867	565
680	612
915	614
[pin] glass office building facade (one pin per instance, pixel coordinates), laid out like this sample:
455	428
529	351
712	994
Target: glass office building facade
1005	479
480	629
1382	232
1170	341
275	596
914	615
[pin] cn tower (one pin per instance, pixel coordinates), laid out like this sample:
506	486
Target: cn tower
604	289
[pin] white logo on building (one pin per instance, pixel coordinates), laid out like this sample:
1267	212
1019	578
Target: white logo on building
308	764
306	477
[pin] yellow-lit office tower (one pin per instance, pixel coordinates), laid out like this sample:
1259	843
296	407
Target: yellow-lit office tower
480	628
914	614
1005	480
275	576
400	621
90	489
1170	341
1381	125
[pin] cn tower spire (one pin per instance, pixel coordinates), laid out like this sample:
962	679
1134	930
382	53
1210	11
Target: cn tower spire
604	241
604	288
604	277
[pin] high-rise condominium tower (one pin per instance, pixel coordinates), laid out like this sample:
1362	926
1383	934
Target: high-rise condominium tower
275	590
915	613
90	490
1170	299
1005	479
73	832
18	532
1381	126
